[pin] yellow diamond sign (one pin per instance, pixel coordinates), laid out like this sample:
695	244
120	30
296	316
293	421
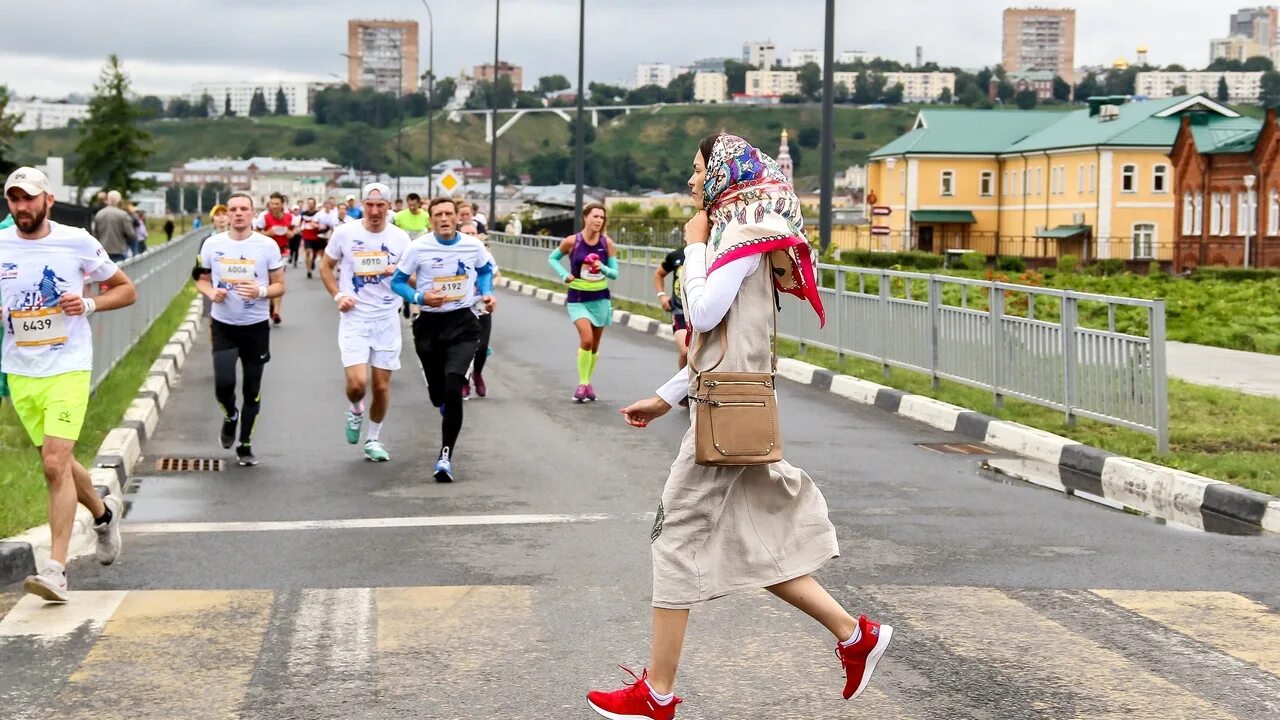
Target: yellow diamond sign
448	181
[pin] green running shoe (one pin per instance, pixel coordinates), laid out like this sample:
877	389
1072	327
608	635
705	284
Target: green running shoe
375	452
354	423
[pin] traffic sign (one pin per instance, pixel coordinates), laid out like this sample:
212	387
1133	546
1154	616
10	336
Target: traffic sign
881	210
448	182
880	230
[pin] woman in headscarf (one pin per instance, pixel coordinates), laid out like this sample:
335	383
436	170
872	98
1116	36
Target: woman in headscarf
729	528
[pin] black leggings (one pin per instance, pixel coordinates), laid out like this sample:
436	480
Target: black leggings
482	349
445	344
224	385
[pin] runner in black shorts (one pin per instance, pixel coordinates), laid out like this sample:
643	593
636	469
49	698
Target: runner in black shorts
671	303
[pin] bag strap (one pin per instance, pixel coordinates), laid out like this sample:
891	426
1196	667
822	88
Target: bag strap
724	336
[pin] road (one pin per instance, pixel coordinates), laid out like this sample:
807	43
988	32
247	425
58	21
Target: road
1246	372
321	586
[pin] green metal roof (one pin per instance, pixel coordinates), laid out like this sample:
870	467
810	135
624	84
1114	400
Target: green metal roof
1228	136
956	217
1062	232
975	132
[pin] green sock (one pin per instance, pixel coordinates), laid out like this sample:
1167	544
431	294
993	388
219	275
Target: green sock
584	366
591	369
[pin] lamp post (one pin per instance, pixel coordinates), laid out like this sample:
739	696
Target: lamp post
1249	180
493	103
580	132
431	97
828	127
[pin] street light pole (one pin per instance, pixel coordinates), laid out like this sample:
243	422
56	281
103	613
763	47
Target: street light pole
580	131
399	111
493	103
828	127
431	98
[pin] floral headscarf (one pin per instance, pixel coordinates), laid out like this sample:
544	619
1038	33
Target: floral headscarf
753	209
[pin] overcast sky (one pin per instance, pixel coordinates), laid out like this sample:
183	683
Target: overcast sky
58	46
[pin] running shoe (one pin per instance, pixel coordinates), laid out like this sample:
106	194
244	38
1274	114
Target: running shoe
244	456
481	390
308	274
633	702
444	468
50	583
109	541
354	423
859	659
228	434
580	395
466	389
275	318
375	452
590	393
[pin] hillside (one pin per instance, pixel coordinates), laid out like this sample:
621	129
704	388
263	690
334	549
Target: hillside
657	146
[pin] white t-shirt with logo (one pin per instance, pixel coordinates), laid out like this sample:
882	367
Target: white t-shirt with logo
448	268
39	339
240	261
363	259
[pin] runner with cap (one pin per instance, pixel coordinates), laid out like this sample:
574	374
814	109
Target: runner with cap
353	209
240	271
451	269
366	254
48	359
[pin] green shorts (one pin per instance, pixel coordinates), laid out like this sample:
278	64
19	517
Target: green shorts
51	406
597	312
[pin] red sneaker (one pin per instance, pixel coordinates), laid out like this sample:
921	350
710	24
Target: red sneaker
466	389
859	659
481	390
632	702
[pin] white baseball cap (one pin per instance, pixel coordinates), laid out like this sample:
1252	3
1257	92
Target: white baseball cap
29	180
384	192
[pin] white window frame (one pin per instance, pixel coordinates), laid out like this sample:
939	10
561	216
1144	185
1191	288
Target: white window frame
1215	215
1188	215
1224	200
1080	181
1160	173
986	183
1198	219
1129	172
1093	178
1150	245
947	183
1273	213
1039	181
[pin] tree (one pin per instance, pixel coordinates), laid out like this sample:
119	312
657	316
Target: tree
252	149
361	146
1005	91
811	81
204	108
1225	65
1026	99
1121	82
862	89
680	89
548	84
444	92
226	107
1087	88
603	94
972	96
1175	68
1180	90
8	131
282	102
305	136
1061	89
149	107
893	95
1258	63
841	93
809	137
258	104
1270	89
736	72
646	95
528	100
112	145
944	97
550	169
1223	93
179	107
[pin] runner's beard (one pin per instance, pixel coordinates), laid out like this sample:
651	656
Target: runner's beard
29	223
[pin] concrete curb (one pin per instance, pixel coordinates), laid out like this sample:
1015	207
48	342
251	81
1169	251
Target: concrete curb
21	555
1148	488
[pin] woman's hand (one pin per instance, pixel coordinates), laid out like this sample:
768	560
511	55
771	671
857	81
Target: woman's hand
639	414
698	229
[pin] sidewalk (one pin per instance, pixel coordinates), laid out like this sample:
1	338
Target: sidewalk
1246	372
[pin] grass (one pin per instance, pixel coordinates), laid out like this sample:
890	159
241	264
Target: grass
1214	432
23	498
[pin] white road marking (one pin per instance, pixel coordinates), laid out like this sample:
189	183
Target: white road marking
32	616
362	523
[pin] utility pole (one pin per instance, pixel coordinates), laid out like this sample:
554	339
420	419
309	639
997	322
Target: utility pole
828	127
493	142
580	131
431	98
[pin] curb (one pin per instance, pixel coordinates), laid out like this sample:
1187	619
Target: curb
22	554
1127	482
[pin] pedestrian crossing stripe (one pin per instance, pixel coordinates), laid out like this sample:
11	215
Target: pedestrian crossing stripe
390	652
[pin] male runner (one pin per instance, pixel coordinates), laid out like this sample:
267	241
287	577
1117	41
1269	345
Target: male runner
414	219
467	214
239	269
672	303
48	358
312	225
368	327
450	268
353	210
280	226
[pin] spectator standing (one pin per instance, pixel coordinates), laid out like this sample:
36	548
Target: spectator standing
140	229
169	227
114	228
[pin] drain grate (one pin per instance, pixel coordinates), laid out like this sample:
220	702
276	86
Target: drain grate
184	464
957	448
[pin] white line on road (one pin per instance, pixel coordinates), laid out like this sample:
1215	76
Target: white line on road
362	523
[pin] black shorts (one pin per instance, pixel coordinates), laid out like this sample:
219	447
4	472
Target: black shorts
252	341
317	245
446	341
678	323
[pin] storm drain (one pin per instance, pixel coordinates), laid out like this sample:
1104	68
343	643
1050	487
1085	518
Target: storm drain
957	448
182	464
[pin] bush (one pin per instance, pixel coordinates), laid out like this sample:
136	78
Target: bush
305	136
625	208
1154	270
660	212
1235	274
1068	264
859	135
970	261
905	260
1108	267
1011	263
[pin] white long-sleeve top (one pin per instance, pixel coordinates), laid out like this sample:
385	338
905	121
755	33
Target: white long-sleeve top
707	301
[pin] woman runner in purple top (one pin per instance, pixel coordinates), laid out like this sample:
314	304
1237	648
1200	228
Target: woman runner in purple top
591	265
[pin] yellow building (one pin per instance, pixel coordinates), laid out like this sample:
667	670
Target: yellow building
1094	182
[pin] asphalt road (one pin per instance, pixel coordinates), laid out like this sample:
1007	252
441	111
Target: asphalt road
319	585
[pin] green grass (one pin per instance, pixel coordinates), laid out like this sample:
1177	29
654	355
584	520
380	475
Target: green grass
1218	433
23	498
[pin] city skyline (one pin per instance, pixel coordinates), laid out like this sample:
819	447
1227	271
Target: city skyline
163	59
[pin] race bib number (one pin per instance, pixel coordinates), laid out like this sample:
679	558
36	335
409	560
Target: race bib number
279	230
591	275
35	328
237	271
454	287
371	262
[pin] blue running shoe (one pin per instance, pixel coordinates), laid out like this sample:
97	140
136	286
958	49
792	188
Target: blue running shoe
444	468
354	423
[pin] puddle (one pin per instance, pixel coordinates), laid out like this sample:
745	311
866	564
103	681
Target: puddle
1074	483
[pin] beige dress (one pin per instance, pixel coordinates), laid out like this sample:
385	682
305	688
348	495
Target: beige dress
724	529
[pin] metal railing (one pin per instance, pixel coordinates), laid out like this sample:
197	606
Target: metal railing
1100	357
159	274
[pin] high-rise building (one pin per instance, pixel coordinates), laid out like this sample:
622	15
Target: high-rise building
761	55
710	87
383	55
514	73
772	83
42	115
239	95
1234	47
653	74
800	58
1260	23
1040	39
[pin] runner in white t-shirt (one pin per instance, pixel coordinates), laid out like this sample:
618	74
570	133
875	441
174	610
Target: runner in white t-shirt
48	357
241	271
366	253
452	270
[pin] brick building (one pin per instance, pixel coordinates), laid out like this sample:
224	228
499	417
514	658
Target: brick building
1216	208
